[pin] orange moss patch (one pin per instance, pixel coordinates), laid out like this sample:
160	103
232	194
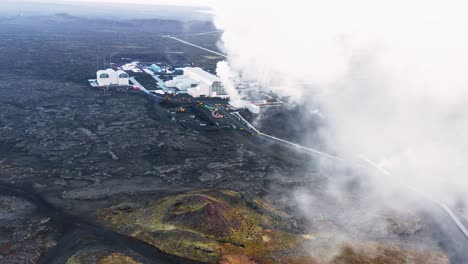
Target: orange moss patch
236	259
386	254
117	258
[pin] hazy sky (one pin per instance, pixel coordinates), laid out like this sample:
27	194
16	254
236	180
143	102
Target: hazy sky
152	2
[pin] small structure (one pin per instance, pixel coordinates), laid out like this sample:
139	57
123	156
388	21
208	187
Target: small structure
107	77
155	68
255	109
123	78
131	66
111	77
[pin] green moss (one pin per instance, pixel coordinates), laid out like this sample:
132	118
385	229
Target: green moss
214	226
184	244
373	253
185	208
265	208
231	194
117	258
87	256
205	225
74	260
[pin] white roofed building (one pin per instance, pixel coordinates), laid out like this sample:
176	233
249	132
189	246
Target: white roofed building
198	82
123	78
107	77
110	77
102	78
182	83
199	91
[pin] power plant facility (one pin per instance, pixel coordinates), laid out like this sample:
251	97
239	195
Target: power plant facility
182	85
198	83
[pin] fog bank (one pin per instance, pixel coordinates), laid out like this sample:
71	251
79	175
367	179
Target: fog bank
389	77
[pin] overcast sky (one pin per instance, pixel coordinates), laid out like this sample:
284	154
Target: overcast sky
151	2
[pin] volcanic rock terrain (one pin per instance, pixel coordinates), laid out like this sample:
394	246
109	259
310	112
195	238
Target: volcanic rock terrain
93	176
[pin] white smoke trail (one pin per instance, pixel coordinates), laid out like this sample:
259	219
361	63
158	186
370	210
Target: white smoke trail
390	76
229	79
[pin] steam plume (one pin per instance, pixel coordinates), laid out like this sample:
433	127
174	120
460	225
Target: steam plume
229	78
390	78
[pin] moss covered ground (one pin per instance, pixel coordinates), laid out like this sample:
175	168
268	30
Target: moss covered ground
222	227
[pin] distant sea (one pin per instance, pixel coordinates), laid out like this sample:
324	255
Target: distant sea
105	10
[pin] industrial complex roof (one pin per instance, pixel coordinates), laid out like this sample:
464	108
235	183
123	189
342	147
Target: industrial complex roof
201	75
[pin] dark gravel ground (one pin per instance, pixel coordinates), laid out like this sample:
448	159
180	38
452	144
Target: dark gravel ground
82	149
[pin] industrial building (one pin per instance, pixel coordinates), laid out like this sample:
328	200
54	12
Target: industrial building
133	66
198	83
155	68
111	77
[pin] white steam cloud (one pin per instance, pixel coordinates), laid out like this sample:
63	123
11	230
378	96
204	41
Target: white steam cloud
229	79
391	78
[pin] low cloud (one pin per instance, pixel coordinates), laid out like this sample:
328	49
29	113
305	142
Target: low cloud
389	78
